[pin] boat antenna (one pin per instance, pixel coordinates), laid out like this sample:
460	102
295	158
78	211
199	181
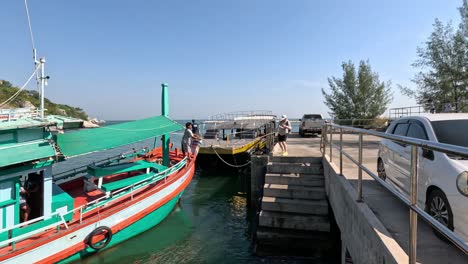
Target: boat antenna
41	80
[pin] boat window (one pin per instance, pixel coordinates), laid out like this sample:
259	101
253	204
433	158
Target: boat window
211	134
7	138
416	131
400	129
451	131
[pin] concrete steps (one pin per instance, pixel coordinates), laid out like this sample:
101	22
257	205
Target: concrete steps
284	168
274	241
312	207
292	159
302	179
293	238
294	221
294	191
294	214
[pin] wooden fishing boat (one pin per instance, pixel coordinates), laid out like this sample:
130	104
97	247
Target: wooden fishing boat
86	209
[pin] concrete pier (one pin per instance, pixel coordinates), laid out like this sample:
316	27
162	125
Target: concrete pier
377	229
257	179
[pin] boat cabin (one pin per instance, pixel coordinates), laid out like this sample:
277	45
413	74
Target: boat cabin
26	159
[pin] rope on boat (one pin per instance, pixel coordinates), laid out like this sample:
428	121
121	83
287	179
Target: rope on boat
21	89
232	165
227	163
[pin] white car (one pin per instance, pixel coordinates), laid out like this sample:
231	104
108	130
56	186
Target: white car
442	178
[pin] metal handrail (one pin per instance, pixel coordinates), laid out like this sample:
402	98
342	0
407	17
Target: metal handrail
412	204
405	111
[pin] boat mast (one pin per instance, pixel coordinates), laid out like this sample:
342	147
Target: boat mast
42	79
165	112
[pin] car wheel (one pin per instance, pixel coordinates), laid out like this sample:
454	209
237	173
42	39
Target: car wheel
438	207
381	170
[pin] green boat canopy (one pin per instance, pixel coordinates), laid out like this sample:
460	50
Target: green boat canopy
103	171
96	139
33	150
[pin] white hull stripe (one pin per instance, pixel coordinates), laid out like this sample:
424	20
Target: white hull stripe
65	242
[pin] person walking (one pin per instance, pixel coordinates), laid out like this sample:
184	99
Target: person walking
283	131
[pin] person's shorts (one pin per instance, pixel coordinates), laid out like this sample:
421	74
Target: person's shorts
185	148
282	138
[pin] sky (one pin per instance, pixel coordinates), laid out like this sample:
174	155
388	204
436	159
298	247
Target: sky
110	57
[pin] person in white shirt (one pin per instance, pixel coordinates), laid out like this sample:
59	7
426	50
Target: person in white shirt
187	139
283	131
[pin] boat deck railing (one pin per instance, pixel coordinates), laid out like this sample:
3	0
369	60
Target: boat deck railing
241	114
397	112
131	188
437	107
18	113
59	220
83	209
414	209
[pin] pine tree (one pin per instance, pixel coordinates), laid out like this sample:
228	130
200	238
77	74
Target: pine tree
443	64
357	96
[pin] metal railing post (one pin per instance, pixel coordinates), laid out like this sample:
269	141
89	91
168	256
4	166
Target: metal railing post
331	144
359	198
324	140
341	151
414	198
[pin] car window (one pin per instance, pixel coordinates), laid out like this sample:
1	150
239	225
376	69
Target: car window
416	131
400	129
451	131
312	117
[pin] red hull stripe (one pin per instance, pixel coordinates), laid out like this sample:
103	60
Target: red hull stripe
64	254
80	246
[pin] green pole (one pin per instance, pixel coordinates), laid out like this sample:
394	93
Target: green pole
165	112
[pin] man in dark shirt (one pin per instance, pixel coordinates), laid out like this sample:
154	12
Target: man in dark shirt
194	127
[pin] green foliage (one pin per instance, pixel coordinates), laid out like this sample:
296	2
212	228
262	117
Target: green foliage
7	90
443	64
358	95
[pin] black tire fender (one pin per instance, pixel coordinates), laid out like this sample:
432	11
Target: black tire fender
103	243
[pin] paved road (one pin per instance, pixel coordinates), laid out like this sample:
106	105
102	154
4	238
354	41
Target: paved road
391	212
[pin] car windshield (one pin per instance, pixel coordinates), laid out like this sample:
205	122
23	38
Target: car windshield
451	132
312	117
